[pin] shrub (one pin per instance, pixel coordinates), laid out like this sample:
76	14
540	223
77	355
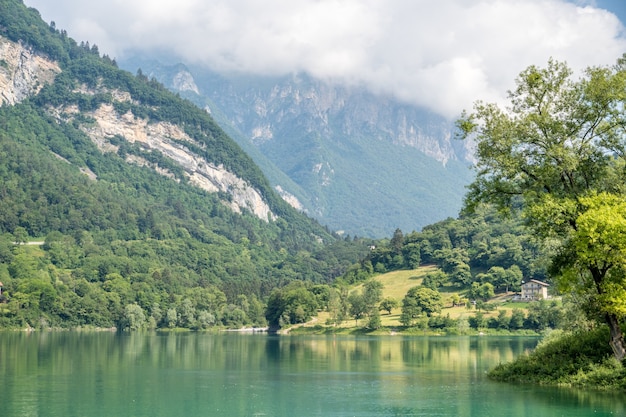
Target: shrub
567	358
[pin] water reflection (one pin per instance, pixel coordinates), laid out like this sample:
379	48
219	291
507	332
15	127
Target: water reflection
67	374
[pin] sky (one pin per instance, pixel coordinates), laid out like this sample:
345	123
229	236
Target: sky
443	55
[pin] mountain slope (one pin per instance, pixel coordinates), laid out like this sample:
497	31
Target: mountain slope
147	208
361	163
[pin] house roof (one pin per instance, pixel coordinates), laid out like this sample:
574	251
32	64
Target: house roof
536	281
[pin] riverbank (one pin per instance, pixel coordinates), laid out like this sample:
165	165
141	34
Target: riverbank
568	359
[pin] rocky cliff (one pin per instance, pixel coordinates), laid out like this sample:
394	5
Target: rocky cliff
335	111
22	72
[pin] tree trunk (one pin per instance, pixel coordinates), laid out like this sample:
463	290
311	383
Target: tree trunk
617	338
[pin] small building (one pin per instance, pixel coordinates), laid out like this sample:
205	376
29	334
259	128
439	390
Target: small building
534	290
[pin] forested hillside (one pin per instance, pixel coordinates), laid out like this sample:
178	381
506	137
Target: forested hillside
476	261
131	240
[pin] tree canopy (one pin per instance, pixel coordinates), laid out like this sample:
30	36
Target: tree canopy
560	146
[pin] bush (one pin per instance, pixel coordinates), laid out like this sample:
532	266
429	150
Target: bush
582	359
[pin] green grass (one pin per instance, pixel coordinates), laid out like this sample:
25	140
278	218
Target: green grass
395	285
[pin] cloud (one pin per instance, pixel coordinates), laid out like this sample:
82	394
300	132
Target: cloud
443	55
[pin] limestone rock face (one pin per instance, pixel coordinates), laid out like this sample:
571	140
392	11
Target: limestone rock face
168	139
183	81
337	147
22	72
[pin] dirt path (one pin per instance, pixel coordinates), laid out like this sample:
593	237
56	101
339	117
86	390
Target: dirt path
295	326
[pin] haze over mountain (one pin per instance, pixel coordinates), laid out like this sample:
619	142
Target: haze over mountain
360	163
367	90
439	55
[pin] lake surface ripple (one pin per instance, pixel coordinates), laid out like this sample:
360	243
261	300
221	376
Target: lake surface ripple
195	374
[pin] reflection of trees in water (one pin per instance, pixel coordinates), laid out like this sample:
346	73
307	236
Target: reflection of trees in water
198	351
113	370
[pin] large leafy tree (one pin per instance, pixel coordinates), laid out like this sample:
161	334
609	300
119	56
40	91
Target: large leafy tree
417	301
560	146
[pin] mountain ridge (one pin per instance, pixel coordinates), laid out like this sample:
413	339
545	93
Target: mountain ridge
334	142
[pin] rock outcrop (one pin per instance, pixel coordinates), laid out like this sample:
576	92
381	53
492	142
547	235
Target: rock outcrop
22	72
168	139
357	160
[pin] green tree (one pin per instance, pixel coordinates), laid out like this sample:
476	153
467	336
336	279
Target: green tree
206	319
455	299
397	241
504	320
388	304
6	247
256	312
412	255
417	301
186	313
481	292
434	280
358	306
134	317
517	319
21	235
478	321
560	143
290	305
372	294
23	266
337	305
171	318
374	322
512	279
454	263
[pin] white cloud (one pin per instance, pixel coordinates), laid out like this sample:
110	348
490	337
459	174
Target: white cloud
443	55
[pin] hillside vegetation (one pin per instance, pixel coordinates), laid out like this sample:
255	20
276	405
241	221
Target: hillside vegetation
458	313
455	276
133	245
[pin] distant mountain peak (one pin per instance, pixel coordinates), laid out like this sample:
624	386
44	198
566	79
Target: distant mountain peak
183	81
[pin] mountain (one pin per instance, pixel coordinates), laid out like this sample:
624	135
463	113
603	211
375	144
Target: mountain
361	163
145	206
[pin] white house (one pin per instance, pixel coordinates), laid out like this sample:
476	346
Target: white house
534	290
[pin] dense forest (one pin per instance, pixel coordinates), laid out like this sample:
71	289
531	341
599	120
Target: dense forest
477	256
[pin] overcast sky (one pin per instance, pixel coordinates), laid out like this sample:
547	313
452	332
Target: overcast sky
440	54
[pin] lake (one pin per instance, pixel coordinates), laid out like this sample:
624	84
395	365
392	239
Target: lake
194	374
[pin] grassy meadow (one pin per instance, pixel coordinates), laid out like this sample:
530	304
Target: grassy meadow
395	285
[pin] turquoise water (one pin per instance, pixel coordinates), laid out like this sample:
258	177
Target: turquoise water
108	374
